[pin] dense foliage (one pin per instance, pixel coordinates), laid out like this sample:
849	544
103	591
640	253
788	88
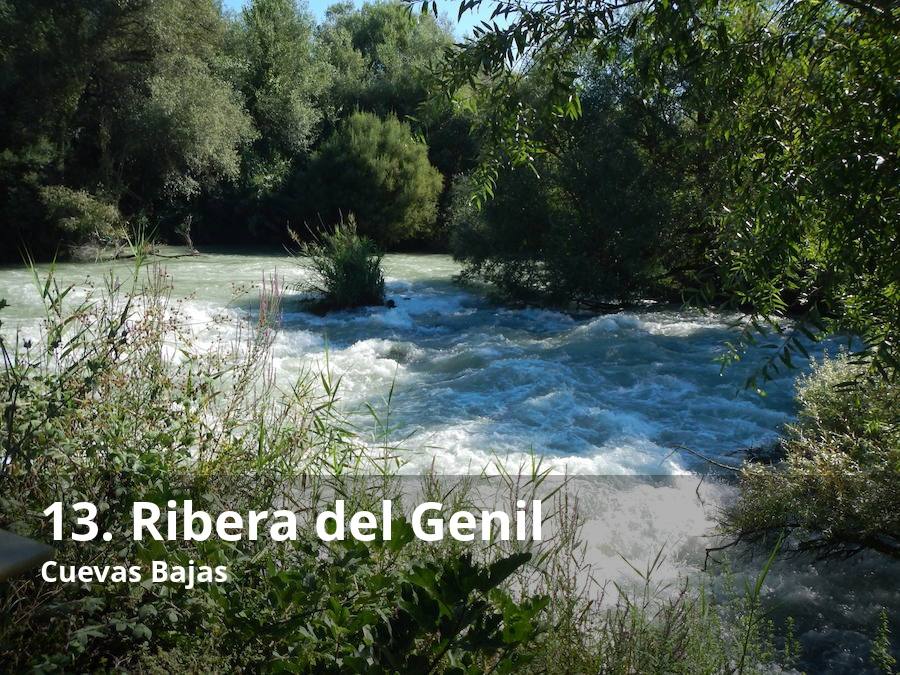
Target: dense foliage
601	220
736	151
125	107
837	486
175	118
99	410
771	136
270	57
380	57
784	121
375	169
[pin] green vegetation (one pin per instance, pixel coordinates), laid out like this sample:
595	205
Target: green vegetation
379	58
200	125
602	219
740	153
881	647
737	154
776	121
346	268
125	108
762	144
75	217
269	52
376	169
836	487
214	428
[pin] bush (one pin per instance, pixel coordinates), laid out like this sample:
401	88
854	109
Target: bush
377	170
837	485
346	268
79	218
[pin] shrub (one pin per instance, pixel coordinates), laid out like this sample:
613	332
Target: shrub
375	168
346	268
837	485
80	218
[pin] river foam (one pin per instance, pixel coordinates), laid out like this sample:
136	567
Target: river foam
473	381
597	395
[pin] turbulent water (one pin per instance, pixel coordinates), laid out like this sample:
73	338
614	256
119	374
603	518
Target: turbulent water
471	380
598	395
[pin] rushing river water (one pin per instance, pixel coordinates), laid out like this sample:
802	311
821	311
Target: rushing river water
600	395
595	395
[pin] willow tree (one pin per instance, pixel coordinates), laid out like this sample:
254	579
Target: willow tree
380	57
798	101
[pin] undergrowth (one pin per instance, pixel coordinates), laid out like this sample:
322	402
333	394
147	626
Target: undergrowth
836	488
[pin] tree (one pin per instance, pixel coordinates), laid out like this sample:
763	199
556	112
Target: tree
375	169
604	216
382	59
381	56
198	125
798	98
273	64
126	109
796	103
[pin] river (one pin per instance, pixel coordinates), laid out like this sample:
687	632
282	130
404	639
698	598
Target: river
599	394
595	395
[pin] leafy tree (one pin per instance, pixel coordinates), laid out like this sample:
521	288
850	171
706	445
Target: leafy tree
76	217
273	64
176	115
788	112
270	57
381	56
125	103
800	98
603	216
198	124
375	169
382	59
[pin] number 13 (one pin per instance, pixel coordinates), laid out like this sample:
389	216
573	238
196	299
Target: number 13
86	521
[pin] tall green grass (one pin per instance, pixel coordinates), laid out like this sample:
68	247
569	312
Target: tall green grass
345	267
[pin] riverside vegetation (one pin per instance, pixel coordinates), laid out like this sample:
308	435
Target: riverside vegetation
594	155
173	117
346	268
118	402
742	154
